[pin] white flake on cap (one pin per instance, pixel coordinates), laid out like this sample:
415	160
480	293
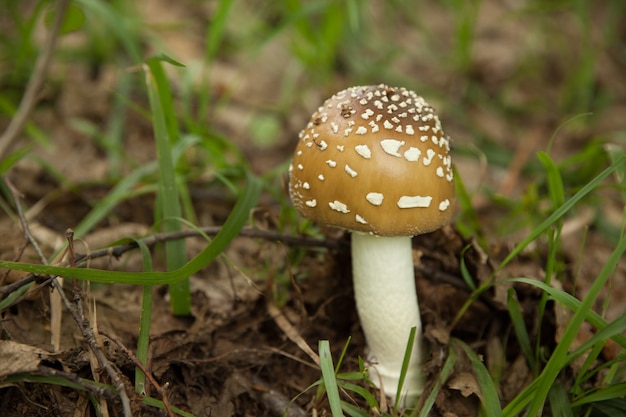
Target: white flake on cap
350	171
364	151
443	206
412	154
360	219
414	201
331	163
430	154
311	203
391	146
368	112
375	198
339	206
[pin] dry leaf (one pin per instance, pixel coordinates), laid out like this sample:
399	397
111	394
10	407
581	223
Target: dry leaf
465	383
17	357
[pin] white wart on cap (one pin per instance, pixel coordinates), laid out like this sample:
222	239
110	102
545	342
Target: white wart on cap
374	159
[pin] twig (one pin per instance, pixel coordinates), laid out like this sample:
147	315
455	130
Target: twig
251	232
92	342
28	237
9	288
161	390
76	312
34	83
94	389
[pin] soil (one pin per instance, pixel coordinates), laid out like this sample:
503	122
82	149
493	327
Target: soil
235	355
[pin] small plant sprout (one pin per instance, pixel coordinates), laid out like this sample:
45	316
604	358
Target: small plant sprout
374	160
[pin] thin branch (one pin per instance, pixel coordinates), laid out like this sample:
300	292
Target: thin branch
76	312
98	390
28	237
89	337
8	289
161	390
118	251
34	83
251	232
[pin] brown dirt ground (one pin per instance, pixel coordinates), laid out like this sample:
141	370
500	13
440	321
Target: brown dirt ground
231	357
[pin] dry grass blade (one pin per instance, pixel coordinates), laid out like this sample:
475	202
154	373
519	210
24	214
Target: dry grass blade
290	331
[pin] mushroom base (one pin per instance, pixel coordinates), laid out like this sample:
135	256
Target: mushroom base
386	300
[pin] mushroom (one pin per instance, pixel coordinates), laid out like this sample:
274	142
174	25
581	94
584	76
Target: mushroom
374	160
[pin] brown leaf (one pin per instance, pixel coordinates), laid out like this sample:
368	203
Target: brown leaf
17	357
465	383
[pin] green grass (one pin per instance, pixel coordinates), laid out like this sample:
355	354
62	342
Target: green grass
331	44
168	198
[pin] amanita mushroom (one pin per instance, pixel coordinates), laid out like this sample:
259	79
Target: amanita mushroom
374	160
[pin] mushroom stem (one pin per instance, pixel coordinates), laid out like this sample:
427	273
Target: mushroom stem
386	300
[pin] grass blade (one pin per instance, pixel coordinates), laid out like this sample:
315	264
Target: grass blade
359	390
328	375
489	399
559	358
229	230
405	367
165	131
560	212
559	401
445	372
353	411
143	340
573	304
515	312
615	391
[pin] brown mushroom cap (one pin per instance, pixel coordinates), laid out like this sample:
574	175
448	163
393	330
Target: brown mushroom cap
374	159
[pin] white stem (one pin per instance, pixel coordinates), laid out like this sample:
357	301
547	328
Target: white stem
384	289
